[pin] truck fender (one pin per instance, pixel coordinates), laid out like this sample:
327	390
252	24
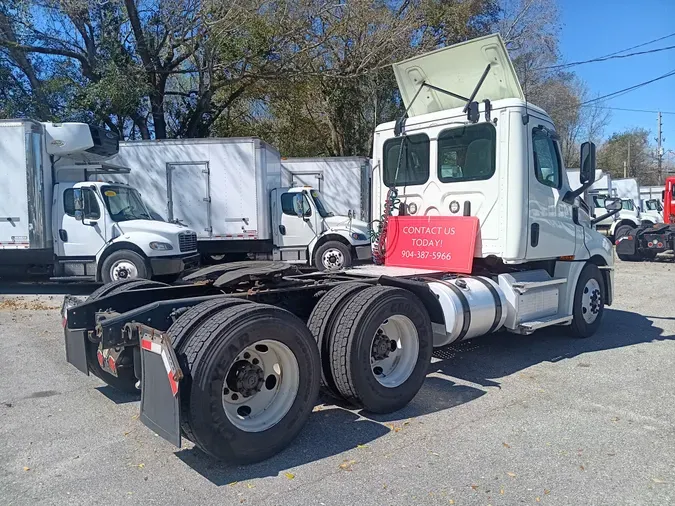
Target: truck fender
115	245
571	271
334	235
624	221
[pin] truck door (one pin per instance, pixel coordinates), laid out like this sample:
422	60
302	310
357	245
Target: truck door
189	195
551	230
81	239
293	230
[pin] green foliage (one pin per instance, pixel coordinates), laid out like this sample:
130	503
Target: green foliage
640	161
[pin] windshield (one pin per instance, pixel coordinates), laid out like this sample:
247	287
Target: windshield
599	201
124	203
653	205
627	204
322	208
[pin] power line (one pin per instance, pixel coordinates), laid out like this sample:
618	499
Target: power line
630	110
640	45
626	90
605	58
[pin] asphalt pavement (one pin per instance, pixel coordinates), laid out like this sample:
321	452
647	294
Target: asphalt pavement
501	420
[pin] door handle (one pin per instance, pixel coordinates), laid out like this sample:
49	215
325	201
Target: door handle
534	235
63	235
282	229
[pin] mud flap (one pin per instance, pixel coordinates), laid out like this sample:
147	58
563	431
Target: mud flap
160	373
76	345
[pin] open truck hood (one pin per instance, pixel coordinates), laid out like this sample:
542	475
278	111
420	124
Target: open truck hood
457	69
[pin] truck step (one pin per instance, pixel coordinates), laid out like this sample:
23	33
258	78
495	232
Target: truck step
529	327
524	286
86	279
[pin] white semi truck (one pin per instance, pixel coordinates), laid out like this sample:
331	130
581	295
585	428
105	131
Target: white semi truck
629	192
234	361
234	193
60	216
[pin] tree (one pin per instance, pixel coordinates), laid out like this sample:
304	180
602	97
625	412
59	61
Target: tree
632	147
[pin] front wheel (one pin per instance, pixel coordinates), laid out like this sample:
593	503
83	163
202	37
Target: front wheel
124	264
589	302
332	256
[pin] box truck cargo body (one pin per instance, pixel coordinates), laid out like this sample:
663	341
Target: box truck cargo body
231	191
59	217
344	181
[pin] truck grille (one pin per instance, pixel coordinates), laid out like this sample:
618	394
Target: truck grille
187	241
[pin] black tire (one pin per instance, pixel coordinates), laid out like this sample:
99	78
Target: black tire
580	327
621	231
351	341
340	249
321	322
210	352
169	278
141	264
180	333
125	381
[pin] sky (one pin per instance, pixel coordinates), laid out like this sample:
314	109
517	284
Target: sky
594	28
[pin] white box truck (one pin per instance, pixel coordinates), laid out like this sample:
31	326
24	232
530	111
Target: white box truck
232	193
628	191
343	180
55	220
239	370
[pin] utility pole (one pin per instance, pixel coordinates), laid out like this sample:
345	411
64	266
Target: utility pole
659	150
628	163
624	169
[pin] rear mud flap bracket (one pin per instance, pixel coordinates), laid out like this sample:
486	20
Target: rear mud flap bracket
161	375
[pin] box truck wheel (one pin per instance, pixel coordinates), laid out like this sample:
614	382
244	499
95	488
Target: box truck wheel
125	381
381	348
332	256
321	322
254	378
589	302
124	264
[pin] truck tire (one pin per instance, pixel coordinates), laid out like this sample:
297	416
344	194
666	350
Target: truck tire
125	381
124	264
380	348
255	373
332	256
589	302
621	231
321	322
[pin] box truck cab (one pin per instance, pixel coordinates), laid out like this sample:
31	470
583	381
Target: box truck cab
59	216
304	227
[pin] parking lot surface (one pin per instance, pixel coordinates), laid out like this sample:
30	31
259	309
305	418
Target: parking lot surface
501	420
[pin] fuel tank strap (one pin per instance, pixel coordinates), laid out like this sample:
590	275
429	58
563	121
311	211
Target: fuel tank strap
466	309
498	303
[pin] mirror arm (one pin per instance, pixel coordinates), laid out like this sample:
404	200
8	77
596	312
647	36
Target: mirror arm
572	194
604	216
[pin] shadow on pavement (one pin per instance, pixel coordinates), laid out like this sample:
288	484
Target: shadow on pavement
328	432
118	397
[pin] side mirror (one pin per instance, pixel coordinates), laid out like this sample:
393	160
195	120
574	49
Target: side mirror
298	205
79	215
78	200
587	163
613	204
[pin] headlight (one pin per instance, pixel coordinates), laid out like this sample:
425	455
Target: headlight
161	246
359	237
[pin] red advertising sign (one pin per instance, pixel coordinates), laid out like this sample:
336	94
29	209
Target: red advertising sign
445	243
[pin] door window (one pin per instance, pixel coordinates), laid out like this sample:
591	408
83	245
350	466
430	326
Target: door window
406	160
91	209
546	159
291	202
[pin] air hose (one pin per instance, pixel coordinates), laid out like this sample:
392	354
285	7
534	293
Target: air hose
379	236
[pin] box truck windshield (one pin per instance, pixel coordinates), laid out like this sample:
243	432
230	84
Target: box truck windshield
124	203
321	206
627	205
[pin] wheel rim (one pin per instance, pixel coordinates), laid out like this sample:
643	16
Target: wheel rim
123	269
333	259
591	301
216	258
261	386
394	351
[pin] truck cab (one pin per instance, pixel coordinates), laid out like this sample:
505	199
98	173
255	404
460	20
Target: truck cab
304	228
